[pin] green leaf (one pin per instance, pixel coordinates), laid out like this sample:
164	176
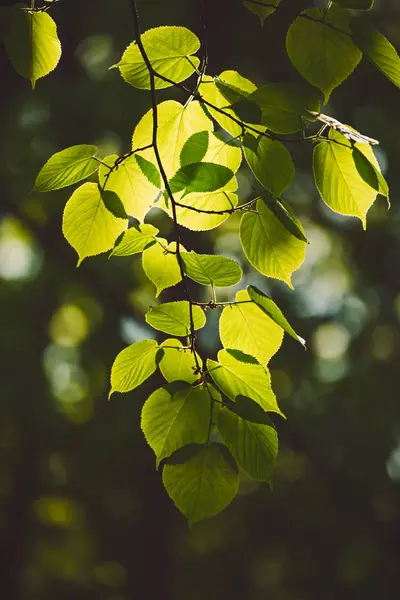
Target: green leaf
169	50
208	269
223	152
322	50
113	203
246	110
268	306
177	362
135	240
210	92
253	446
87	225
356	4
246	327
176	123
270	162
161	265
284	104
149	170
237	378
174	318
286	217
378	49
338	179
200	177
195	148
375	178
221	200
32	43
133	366
269	246
133	188
247	409
262	11
204	485
66	168
174	416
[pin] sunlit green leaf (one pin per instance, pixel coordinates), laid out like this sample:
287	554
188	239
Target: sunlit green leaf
262	11
269	246
149	170
338	180
174	318
254	446
268	306
321	47
133	366
210	92
223	152
285	216
270	162
237	378
67	167
32	43
200	177
246	327
135	240
161	265
88	226
284	104
113	203
378	49
176	124
195	148
130	184
169	50
174	416
177	362
204	485
208	269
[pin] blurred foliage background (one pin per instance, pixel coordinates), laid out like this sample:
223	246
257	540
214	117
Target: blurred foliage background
83	511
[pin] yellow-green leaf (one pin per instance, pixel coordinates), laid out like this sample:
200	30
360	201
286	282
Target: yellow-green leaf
269	246
135	240
130	184
66	168
378	49
133	366
170	50
88	226
244	326
174	318
32	43
177	362
270	162
161	265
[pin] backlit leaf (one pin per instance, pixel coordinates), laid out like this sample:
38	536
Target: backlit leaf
208	269
174	318
200	177
254	446
177	362
338	180
195	148
66	168
174	416
246	327
268	306
237	378
130	184
321	48
204	485
378	49
161	265
135	240
133	366
269	246
169	50
270	162
32	43
88	226
262	11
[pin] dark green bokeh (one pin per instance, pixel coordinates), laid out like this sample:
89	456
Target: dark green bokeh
83	511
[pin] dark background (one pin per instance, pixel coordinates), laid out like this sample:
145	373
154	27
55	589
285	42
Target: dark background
83	511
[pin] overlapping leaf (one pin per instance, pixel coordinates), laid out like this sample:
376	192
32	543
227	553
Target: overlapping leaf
321	47
204	485
270	162
177	363
245	326
208	269
269	246
174	318
161	265
135	240
378	49
87	224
